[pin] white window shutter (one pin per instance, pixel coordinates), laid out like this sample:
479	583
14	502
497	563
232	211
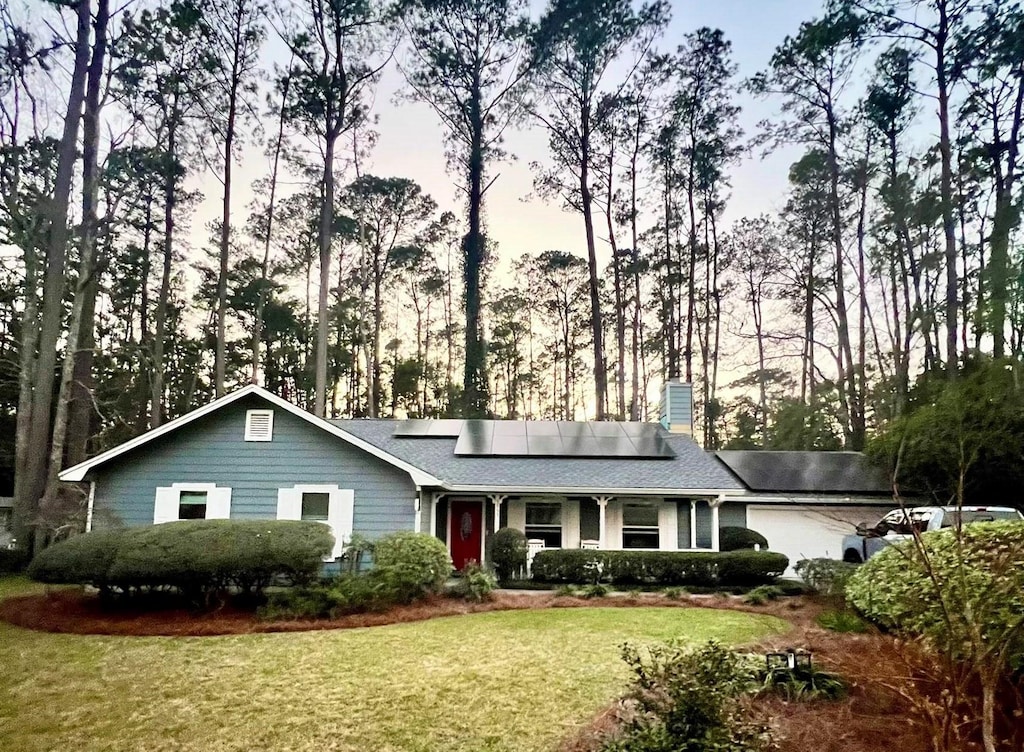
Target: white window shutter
340	518
218	504
165	505
289	504
668	526
517	514
571	523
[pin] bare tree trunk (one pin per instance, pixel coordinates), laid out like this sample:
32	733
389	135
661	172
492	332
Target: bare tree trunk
474	382
597	329
323	298
86	269
36	388
261	300
160	324
946	189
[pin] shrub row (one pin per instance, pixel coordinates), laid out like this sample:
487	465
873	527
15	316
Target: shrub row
198	557
694	568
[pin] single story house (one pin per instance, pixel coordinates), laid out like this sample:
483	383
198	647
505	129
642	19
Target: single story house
566	484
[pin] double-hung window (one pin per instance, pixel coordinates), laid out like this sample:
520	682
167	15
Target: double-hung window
324	503
544	522
640	526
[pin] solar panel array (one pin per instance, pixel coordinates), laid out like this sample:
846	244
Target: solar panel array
550	438
429	428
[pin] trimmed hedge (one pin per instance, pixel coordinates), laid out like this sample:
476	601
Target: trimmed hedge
738	538
198	557
694	568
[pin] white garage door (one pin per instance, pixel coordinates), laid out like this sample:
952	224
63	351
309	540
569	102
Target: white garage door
808	532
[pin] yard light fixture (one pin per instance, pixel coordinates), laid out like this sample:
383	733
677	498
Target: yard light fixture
789	660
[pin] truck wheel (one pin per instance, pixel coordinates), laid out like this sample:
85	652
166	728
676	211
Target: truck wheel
852	557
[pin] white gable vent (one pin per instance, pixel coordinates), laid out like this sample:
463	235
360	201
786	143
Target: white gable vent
259	425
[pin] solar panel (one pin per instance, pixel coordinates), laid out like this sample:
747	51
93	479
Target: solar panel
505	438
428	428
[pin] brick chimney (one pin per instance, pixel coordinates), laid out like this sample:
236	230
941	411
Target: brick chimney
675	410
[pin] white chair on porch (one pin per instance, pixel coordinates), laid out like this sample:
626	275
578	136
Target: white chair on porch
533	546
590	544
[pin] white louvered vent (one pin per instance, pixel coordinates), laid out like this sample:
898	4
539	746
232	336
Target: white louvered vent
259	425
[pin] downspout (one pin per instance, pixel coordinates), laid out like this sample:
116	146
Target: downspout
88	509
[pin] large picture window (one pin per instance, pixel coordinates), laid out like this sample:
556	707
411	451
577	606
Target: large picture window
544	522
640	526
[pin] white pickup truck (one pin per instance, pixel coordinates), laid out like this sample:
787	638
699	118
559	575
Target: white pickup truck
900	524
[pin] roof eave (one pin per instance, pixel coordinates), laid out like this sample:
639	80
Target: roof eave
590	490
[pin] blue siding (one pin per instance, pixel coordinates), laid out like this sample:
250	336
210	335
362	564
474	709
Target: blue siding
212	450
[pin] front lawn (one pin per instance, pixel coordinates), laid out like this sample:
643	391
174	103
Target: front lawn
512	680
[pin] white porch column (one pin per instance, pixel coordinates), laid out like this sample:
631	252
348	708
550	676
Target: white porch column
496	500
602	516
714	523
417	507
434	498
693	523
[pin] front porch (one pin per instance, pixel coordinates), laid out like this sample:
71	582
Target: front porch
614	522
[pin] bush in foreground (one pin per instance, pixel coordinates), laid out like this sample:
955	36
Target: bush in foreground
664	568
691	700
411	565
200	558
962	591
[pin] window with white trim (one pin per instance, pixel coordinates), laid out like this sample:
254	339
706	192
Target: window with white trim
192	505
544	522
324	503
316	505
191	501
640	527
259	425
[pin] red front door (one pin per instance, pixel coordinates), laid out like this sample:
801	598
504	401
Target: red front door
464	532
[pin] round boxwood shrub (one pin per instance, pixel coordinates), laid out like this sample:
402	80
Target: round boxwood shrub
732	538
508	553
411	565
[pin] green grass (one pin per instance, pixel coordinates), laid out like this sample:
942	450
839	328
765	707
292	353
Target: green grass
514	680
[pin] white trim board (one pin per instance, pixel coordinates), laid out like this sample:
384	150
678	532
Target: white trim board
79	471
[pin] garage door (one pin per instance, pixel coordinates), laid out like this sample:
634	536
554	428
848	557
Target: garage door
808	532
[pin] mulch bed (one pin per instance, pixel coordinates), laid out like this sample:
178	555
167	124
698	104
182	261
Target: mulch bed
874	716
76	612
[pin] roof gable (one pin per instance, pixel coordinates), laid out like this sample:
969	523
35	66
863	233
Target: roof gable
79	471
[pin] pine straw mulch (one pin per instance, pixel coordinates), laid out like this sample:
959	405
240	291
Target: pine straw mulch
874	717
72	611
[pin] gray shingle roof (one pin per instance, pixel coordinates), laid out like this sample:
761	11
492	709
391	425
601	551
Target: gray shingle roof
690	470
806	472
